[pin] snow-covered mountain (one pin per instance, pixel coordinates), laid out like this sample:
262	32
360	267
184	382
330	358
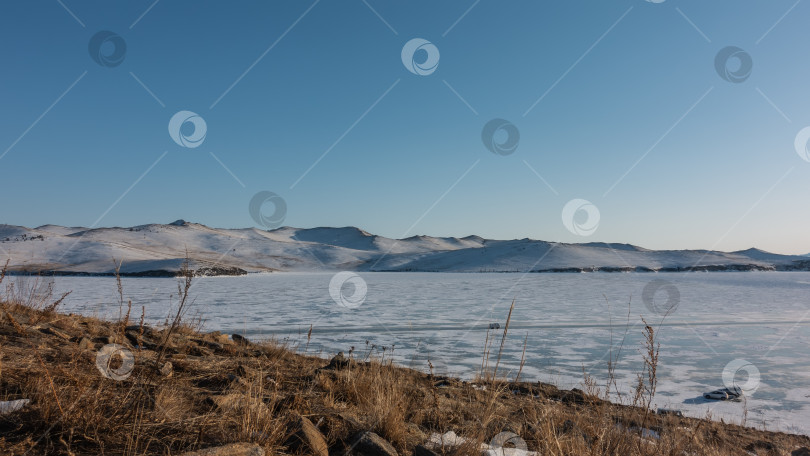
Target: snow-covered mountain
161	249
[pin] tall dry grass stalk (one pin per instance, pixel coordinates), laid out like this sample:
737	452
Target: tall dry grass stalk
648	378
503	339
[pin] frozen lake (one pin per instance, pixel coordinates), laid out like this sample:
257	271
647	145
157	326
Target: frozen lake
757	320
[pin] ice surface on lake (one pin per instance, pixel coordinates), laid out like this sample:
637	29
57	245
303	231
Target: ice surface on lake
568	321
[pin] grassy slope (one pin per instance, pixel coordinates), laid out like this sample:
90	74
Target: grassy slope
221	391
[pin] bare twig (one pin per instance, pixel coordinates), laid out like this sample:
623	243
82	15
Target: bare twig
503	339
183	288
120	286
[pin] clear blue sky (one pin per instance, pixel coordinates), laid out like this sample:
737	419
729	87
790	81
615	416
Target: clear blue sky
618	79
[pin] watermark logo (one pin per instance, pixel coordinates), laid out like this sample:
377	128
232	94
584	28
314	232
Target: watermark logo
741	374
733	64
276	217
580	217
506	440
802	144
420	56
183	120
661	307
106	356
348	289
500	136
107	49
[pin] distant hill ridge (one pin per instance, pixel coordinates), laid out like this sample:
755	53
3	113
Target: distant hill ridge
160	249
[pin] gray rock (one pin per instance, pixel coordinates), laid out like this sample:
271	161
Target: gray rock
370	444
12	406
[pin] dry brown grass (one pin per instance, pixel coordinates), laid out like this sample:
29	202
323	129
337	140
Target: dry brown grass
221	391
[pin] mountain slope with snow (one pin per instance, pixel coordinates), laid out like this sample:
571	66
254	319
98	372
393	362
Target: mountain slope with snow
157	249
